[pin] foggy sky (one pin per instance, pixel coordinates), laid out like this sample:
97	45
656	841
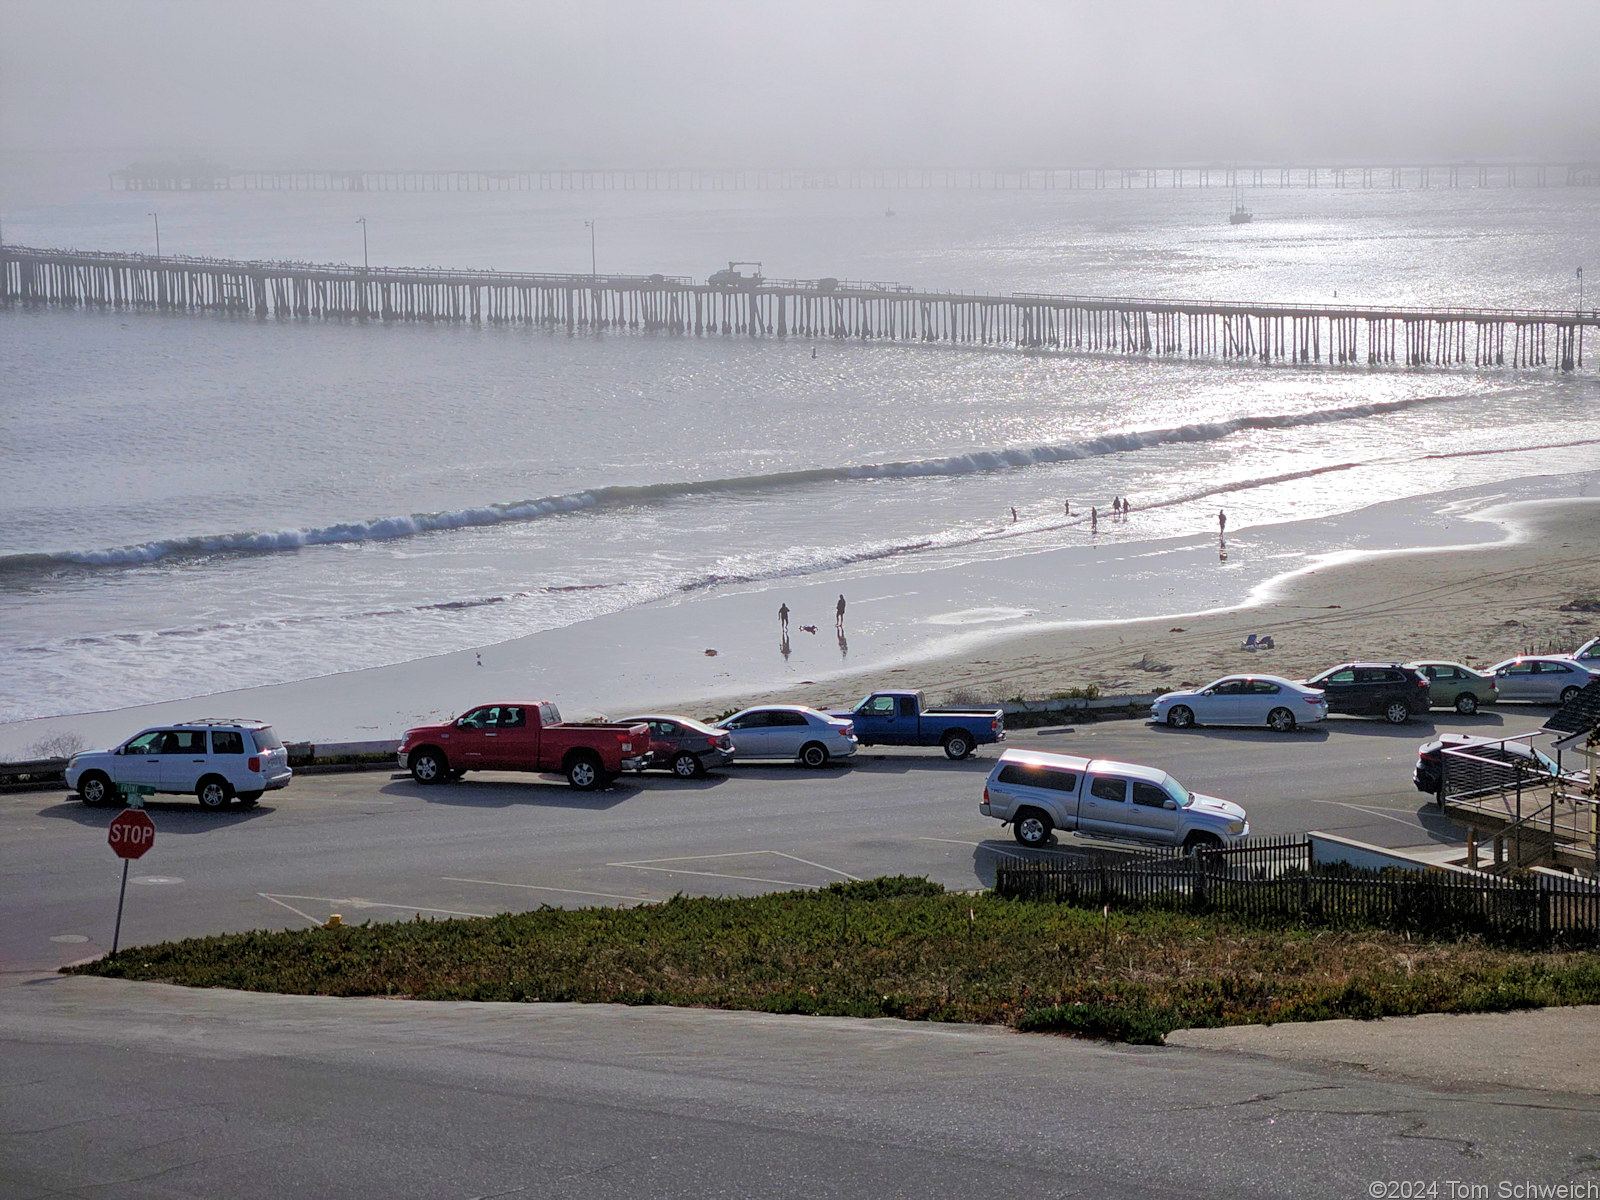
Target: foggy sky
808	83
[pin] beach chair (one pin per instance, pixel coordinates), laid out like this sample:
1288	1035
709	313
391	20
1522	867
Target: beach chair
1250	643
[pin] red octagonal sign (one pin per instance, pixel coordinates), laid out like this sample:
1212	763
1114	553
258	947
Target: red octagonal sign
132	833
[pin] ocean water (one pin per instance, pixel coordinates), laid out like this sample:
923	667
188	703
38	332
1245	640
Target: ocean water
192	504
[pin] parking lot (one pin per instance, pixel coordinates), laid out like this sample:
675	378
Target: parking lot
377	846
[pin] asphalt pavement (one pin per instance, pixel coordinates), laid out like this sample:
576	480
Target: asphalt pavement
377	846
118	1089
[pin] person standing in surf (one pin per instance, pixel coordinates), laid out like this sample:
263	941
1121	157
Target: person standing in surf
783	618
838	614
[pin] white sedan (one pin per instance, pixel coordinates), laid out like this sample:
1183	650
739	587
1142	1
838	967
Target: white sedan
790	731
1587	655
1269	700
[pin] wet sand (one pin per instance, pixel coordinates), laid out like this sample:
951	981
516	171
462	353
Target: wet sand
1471	604
1491	580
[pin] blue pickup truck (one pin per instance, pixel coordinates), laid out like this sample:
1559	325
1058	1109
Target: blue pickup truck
903	719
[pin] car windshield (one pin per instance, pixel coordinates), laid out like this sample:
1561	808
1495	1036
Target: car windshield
1178	792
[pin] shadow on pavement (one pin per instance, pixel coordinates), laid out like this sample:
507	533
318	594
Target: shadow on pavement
175	816
505	793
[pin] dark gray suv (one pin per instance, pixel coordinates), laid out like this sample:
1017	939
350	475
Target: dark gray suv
1369	689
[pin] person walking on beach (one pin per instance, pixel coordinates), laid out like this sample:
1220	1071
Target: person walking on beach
1013	514
1066	508
783	619
1094	519
1222	521
838	614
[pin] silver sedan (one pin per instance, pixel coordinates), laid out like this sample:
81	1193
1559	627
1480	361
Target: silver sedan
790	731
1543	679
1269	700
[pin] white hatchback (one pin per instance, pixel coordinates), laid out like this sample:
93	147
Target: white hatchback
790	731
212	760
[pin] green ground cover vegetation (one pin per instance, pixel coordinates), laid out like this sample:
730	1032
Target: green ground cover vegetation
898	947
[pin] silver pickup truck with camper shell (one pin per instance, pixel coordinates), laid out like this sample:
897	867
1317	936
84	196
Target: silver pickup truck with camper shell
1036	792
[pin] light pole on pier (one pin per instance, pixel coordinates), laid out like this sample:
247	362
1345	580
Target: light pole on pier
1580	289
362	221
592	269
157	220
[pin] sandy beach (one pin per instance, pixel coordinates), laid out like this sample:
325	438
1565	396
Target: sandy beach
1537	591
1488	579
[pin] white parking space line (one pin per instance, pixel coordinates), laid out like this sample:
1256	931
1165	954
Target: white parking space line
715	875
1376	812
818	866
650	864
536	887
357	902
290	907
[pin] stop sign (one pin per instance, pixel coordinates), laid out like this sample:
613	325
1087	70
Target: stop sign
132	833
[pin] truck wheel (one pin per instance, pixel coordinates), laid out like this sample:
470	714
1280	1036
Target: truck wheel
95	789
214	792
1280	720
429	766
957	745
814	755
1199	843
1181	716
1466	704
686	765
1031	827
1397	712
583	773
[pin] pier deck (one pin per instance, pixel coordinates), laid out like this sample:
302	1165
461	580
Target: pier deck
1264	332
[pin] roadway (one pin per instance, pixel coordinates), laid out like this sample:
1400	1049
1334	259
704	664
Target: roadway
376	845
111	1088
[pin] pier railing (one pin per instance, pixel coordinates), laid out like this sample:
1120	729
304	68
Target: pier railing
1250	331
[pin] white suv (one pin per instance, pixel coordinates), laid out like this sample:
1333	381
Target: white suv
212	759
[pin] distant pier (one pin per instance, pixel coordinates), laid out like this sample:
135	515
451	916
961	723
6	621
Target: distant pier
1530	339
196	175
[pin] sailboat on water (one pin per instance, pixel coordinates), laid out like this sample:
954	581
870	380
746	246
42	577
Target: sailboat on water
1240	214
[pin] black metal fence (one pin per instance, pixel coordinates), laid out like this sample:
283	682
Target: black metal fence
1275	879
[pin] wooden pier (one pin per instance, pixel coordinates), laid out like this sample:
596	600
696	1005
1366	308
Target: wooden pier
198	175
1532	339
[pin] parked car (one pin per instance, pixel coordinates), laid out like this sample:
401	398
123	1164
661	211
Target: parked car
684	746
1036	792
1269	700
790	731
1587	655
1533	761
524	735
904	719
1373	689
214	760
1451	685
1542	679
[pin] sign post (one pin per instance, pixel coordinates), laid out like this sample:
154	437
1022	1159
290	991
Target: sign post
132	833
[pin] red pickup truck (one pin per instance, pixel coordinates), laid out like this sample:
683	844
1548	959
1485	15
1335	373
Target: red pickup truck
524	735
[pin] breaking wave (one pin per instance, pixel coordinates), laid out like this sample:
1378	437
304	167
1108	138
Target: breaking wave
385	528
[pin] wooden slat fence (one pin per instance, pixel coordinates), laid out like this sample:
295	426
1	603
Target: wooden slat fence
1275	879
